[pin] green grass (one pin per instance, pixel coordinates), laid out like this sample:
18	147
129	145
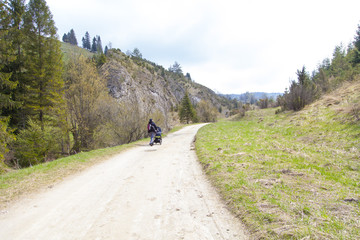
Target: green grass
68	49
288	176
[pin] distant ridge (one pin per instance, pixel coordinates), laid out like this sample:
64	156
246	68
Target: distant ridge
251	97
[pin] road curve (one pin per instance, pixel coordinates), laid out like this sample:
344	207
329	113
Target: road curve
145	193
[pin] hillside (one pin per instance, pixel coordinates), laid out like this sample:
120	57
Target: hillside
136	80
68	48
151	88
294	175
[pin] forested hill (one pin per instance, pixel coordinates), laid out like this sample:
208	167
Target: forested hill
139	90
133	78
149	86
142	89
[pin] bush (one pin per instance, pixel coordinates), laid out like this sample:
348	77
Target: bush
5	138
355	111
35	145
99	59
125	122
301	92
206	112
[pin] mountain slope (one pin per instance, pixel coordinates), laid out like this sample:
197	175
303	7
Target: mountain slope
150	87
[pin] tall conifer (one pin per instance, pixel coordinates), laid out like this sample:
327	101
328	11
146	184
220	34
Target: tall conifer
94	45
86	41
99	47
356	58
72	37
44	65
15	65
65	38
187	112
6	56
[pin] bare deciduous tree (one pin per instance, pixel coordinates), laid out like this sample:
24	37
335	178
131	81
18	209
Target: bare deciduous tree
84	90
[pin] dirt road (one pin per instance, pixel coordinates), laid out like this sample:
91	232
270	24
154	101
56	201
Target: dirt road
146	192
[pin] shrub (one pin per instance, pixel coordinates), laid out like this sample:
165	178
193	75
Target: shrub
35	145
5	138
355	111
301	92
206	112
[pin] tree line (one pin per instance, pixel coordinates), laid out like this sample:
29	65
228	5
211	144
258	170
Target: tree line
94	46
329	75
31	86
47	106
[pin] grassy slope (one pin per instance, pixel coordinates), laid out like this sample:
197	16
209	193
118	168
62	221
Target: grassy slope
67	49
292	175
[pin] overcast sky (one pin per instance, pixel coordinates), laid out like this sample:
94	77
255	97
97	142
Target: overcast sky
230	46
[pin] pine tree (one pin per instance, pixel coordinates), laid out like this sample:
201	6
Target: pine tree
17	11
176	68
99	47
6	56
187	112
16	67
86	41
340	65
94	45
136	53
43	64
65	38
301	92
303	76
356	58
72	37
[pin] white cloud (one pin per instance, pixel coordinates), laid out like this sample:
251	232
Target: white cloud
229	45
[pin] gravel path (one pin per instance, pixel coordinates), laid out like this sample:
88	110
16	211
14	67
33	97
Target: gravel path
152	193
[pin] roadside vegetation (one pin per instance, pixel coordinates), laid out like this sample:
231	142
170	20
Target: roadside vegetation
293	175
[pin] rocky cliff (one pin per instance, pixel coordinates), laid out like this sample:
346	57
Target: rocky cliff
149	87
